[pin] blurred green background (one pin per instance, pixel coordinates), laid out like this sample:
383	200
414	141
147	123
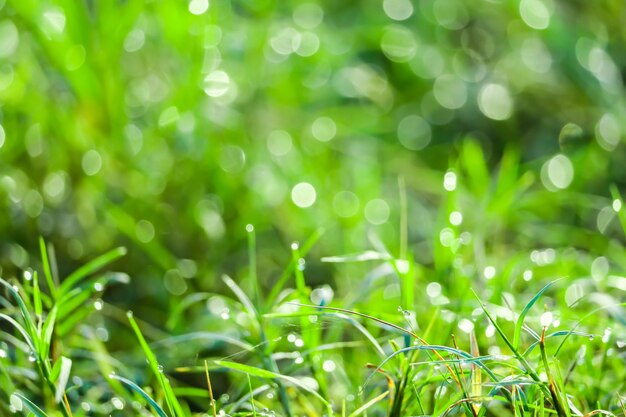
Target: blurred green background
168	126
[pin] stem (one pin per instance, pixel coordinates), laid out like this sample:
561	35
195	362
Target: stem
560	410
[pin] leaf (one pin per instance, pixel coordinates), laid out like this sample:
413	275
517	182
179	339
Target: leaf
141	392
368	404
20	329
241	295
170	398
37	296
30	327
46	268
520	320
368	255
46	333
64	375
262	373
38	412
91	267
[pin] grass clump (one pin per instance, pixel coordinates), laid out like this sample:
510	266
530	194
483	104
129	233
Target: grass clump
441	351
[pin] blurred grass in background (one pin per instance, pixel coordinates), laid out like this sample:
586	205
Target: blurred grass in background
168	126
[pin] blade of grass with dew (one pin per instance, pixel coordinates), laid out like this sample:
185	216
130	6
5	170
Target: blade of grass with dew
370	403
141	392
520	320
91	267
518	355
241	295
287	272
265	374
29	324
170	398
38	412
21	330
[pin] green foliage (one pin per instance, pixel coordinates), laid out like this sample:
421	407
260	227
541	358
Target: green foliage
310	193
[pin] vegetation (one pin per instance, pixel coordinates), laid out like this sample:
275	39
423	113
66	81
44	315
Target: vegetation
312	208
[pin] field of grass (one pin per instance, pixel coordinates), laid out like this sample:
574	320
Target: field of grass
371	208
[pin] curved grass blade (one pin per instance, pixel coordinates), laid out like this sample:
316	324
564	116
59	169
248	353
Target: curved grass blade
141	392
64	376
262	373
368	404
91	267
560	333
170	398
20	329
558	349
38	412
436	348
30	328
522	316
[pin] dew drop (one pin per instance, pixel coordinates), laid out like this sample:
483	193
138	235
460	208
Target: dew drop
160	368
295	246
249	228
98	304
32	357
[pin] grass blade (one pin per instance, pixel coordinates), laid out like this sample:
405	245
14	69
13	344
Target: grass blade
64	374
520	320
91	267
170	398
141	392
46	269
368	404
38	412
262	373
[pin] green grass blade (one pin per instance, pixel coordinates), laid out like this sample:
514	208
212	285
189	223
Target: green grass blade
262	373
141	392
520	320
46	333
241	295
90	268
286	274
30	327
64	375
368	404
37	303
46	269
20	328
170	398
38	412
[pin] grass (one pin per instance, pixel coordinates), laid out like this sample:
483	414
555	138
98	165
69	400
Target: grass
402	342
462	253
